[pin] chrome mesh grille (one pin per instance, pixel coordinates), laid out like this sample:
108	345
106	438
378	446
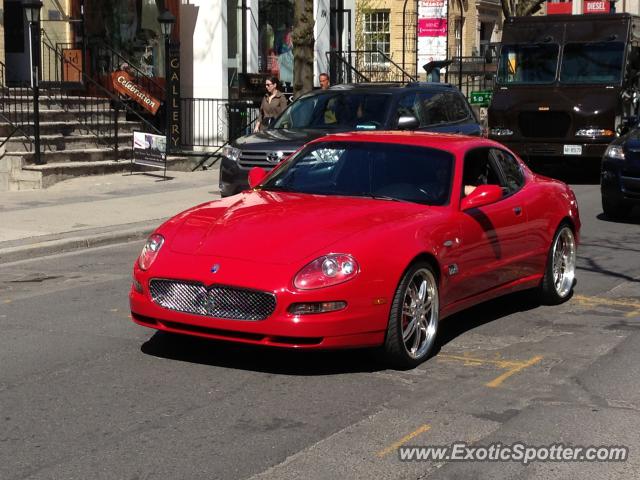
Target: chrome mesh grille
249	159
216	301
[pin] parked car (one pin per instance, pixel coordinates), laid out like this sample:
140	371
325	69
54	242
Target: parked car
416	106
360	240
620	176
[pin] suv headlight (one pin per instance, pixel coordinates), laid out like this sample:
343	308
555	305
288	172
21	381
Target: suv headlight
231	153
500	132
614	151
595	132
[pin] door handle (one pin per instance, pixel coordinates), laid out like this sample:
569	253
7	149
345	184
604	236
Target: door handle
517	210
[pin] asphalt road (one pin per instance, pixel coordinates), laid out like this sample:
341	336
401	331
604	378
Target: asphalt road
85	393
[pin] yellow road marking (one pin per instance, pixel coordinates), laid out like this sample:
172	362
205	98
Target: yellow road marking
403	440
512	366
8	300
496	382
610	302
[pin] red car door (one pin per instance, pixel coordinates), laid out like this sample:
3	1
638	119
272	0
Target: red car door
492	237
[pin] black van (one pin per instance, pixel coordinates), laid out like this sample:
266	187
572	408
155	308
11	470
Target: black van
434	107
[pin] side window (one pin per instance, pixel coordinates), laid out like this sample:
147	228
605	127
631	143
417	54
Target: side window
513	176
456	107
434	109
407	106
478	170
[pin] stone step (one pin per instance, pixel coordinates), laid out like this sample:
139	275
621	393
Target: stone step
69	128
87	155
25	102
59	142
61	115
52	173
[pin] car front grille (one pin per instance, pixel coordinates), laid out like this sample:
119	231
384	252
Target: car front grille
250	159
216	301
544	124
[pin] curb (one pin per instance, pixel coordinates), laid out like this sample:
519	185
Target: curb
70	244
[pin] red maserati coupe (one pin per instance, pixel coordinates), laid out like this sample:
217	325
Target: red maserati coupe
357	240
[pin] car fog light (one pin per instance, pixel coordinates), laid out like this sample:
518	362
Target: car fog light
137	286
316	307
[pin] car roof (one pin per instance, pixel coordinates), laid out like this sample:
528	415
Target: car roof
387	87
449	142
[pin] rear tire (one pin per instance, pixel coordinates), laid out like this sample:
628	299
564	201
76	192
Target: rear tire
559	277
413	320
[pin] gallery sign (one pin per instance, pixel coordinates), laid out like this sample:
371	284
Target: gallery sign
125	84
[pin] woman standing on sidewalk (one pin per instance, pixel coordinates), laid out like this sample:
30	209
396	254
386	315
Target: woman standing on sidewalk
273	103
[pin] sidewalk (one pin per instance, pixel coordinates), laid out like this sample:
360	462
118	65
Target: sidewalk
98	210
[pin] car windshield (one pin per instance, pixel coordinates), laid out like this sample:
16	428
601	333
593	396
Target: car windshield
523	64
592	62
368	169
337	110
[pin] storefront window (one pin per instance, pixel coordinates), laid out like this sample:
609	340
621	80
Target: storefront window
275	46
131	28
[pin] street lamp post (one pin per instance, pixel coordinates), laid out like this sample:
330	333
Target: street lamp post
166	20
32	13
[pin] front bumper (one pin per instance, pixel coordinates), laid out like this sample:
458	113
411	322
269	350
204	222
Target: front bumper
620	181
552	149
361	324
233	177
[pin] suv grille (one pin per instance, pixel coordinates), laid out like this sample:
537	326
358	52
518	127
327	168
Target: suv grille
216	301
544	124
250	159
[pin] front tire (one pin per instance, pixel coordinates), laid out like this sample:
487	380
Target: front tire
559	277
413	320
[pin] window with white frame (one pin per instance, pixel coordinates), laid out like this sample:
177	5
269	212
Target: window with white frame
376	34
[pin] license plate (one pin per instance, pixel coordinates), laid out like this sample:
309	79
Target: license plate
573	149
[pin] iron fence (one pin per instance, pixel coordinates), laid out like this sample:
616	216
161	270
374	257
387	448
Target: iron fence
358	66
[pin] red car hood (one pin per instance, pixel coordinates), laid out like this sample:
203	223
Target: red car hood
275	227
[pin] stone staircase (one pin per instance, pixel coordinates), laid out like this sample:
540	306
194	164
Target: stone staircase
68	146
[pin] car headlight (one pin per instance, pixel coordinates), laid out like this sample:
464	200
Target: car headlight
614	151
150	251
326	271
500	132
231	153
595	132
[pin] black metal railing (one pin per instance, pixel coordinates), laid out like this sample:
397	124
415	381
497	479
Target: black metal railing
15	109
471	74
356	66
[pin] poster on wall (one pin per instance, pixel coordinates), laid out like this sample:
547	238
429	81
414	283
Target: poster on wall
432	31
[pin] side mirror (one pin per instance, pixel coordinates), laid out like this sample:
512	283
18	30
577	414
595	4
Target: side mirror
256	175
408	122
481	196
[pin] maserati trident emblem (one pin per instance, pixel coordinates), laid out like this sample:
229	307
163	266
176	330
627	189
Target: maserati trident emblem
215	267
274	157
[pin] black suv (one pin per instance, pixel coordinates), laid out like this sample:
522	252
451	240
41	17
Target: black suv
436	107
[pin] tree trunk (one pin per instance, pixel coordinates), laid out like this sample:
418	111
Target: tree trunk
303	43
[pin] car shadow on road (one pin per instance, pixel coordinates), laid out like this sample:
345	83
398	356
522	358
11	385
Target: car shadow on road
262	359
467	320
330	362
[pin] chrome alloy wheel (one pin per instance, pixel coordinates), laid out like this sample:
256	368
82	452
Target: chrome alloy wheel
420	313
564	262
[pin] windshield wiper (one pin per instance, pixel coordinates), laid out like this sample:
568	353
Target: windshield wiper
383	197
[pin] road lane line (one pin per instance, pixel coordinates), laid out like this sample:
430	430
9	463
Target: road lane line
498	381
403	440
588	301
